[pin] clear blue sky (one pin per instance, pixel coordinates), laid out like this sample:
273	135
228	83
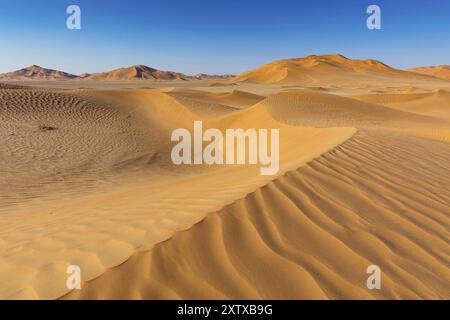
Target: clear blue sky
218	36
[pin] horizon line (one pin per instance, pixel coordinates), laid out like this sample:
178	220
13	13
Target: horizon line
216	74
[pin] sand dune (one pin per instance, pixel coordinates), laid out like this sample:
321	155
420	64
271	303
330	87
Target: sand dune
330	70
312	108
372	200
365	202
222	84
139	72
215	103
205	76
436	71
436	104
87	179
85	217
421	114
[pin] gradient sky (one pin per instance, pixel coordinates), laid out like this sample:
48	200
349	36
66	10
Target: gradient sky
217	36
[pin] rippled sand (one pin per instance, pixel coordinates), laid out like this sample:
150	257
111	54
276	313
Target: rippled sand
87	180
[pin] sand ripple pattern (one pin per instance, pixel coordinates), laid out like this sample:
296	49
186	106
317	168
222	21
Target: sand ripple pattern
55	140
379	198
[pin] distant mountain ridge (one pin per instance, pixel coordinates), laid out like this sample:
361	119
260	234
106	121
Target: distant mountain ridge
35	72
137	72
308	70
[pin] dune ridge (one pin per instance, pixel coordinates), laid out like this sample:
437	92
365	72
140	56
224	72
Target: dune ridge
138	72
332	69
87	179
436	103
377	199
322	225
435	71
213	104
95	227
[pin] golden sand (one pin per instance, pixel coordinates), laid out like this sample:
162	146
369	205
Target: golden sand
364	179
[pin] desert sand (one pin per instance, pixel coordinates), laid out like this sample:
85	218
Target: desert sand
436	71
364	179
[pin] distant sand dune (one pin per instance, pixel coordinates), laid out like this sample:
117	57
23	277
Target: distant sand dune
212	104
36	72
436	71
331	70
138	72
312	108
435	103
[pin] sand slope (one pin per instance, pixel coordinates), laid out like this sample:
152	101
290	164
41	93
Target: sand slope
330	70
436	71
212	104
379	198
436	103
366	202
138	72
205	76
117	190
312	108
88	180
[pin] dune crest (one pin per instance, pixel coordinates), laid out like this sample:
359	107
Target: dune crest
328	69
435	104
435	71
376	199
322	225
94	226
88	180
138	72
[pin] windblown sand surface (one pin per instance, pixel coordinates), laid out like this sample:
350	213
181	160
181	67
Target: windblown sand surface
364	179
312	233
332	70
436	71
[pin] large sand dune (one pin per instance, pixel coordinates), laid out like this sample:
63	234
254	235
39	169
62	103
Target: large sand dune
331	70
379	198
312	233
107	187
436	71
87	179
436	103
139	72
